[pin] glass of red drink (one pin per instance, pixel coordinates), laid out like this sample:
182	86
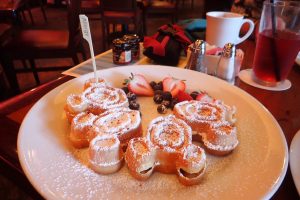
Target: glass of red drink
278	42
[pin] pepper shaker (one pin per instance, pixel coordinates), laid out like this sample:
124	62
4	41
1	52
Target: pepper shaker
196	59
225	66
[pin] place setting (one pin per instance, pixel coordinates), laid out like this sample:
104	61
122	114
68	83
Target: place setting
277	47
168	115
84	168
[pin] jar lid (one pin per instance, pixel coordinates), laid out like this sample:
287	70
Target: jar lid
131	38
119	42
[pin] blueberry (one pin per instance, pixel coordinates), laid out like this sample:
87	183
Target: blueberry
157	98
167	96
160	92
159	86
194	94
162	109
131	96
125	89
166	103
152	84
173	103
134	105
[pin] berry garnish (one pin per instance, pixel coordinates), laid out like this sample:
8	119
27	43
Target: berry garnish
152	84
157	98
125	89
162	109
204	97
138	84
166	103
183	96
159	86
131	96
134	105
160	92
194	94
173	102
173	85
167	96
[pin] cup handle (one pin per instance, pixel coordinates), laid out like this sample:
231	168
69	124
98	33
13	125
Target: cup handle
251	28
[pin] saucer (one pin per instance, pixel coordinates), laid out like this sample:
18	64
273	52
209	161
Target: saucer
295	160
247	77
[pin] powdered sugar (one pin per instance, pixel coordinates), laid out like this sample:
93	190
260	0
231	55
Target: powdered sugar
83	120
104	97
204	112
96	99
118	121
169	133
104	143
75	103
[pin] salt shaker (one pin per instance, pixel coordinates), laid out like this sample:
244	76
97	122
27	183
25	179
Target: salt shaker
225	67
196	59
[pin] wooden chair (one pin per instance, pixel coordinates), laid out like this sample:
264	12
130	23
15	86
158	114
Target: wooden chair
183	2
161	8
12	112
216	5
38	44
120	12
28	5
90	7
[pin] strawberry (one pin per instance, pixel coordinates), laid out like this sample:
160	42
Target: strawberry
138	85
183	96
204	97
173	85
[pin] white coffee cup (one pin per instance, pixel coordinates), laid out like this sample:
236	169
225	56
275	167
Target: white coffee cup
224	27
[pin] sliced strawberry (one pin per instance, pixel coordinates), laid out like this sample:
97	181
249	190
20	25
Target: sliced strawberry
183	96
138	85
204	97
173	85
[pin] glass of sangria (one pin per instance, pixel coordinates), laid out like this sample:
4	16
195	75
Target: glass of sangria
278	42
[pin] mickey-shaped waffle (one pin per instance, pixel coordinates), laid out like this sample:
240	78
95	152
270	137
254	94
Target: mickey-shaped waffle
213	122
96	98
167	148
106	135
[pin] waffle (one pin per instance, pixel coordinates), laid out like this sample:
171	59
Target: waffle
167	148
93	82
213	122
95	99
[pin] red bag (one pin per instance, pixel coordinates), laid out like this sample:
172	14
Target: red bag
165	46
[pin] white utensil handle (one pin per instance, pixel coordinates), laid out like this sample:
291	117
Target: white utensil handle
86	33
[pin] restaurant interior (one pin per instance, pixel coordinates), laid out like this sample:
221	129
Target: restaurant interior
55	18
41	39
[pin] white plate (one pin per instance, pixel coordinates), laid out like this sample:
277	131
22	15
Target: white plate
295	160
254	170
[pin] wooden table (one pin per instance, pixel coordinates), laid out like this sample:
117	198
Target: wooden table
285	106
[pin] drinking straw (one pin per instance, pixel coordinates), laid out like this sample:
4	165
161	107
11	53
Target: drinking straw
86	33
273	49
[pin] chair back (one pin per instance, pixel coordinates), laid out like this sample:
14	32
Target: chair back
118	5
73	7
115	12
90	6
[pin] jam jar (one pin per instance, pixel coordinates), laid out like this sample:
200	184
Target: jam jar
121	52
134	41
